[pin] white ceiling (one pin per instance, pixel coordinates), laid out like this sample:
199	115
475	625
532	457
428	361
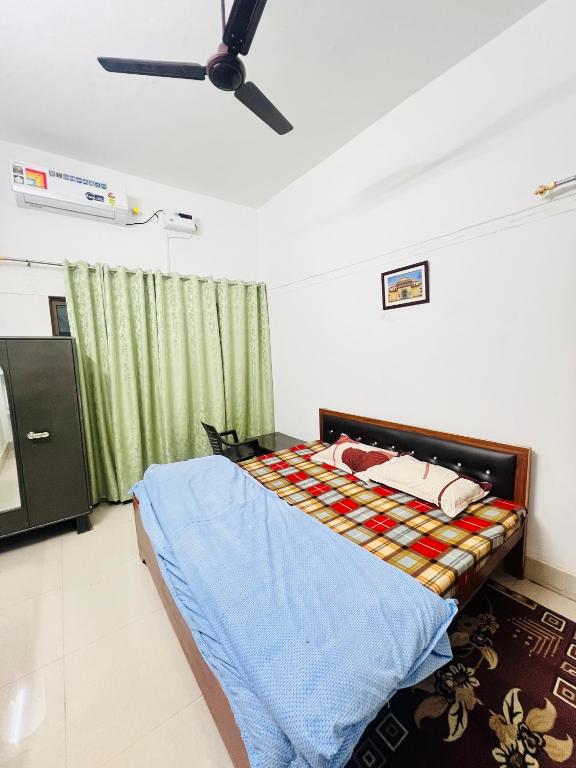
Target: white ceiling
332	67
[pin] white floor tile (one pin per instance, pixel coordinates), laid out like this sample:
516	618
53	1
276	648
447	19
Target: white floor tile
552	600
121	687
29	566
48	754
112	515
30	635
190	738
32	721
126	593
88	558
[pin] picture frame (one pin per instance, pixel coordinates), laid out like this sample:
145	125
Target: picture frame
406	286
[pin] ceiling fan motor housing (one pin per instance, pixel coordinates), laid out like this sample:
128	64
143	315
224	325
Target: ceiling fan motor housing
226	71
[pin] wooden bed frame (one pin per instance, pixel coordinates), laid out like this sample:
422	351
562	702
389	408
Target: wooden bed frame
208	682
510	554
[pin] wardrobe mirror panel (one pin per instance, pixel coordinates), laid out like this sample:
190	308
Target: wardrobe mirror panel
9	487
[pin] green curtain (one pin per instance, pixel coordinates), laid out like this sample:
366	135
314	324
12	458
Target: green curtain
192	385
158	354
246	357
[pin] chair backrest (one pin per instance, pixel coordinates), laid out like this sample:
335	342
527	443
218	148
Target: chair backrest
214	437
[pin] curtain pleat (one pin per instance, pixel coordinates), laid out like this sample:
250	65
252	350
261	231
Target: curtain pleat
132	340
246	357
192	386
85	303
158	354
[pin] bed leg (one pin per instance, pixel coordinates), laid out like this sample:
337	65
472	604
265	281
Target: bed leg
83	524
513	563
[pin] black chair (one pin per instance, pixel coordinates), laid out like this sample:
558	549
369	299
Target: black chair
236	451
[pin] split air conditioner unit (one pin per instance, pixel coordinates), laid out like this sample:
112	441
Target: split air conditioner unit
61	191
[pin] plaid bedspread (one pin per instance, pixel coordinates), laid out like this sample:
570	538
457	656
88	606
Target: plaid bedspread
406	532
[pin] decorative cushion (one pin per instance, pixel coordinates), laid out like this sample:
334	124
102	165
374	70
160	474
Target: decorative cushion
444	487
352	456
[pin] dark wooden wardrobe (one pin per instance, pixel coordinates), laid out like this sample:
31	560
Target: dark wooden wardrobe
43	477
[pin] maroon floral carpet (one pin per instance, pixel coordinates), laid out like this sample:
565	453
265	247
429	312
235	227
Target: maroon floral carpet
506	700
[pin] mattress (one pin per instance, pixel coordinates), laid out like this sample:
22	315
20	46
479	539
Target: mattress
411	534
308	635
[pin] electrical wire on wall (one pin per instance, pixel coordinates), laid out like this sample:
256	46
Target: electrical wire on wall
148	220
511	220
169	218
169	237
183	224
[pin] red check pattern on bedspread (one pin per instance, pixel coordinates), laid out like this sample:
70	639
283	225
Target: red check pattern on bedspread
406	532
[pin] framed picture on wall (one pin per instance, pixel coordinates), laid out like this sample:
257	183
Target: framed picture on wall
406	286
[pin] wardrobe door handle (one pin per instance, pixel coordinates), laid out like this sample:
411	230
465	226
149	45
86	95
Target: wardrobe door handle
37	435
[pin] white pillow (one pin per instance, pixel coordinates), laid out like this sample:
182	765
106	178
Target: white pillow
430	482
352	456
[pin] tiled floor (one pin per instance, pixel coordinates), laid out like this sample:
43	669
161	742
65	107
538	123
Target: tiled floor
91	674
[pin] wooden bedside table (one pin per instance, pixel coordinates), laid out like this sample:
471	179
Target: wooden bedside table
277	441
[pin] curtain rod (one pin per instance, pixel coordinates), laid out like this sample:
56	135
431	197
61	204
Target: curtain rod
543	189
29	262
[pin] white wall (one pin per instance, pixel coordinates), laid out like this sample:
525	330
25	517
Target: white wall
227	245
493	354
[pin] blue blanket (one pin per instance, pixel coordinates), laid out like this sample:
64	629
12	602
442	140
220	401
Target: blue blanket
308	633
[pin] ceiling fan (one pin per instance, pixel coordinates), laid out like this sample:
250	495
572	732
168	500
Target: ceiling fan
224	69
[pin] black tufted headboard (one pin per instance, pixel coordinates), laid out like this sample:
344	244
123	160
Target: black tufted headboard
505	466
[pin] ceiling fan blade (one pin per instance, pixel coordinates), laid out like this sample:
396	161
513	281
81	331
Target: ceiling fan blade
242	24
154	68
253	98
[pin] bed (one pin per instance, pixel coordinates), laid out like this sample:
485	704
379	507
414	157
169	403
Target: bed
497	535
